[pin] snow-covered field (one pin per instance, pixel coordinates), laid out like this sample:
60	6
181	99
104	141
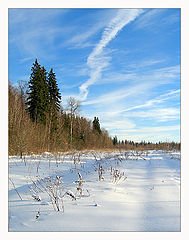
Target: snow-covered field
95	191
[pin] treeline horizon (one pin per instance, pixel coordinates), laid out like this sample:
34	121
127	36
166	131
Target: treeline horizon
146	145
37	122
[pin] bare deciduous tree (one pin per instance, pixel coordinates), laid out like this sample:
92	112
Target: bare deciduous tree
73	108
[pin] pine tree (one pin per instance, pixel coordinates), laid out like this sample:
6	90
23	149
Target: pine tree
96	125
54	99
115	141
54	94
38	98
45	91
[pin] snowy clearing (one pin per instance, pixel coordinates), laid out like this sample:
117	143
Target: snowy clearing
95	191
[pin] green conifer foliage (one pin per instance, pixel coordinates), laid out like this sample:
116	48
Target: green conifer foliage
54	94
115	141
96	125
38	97
54	98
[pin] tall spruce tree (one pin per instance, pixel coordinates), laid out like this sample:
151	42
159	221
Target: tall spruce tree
96	125
54	99
38	97
115	141
54	94
45	91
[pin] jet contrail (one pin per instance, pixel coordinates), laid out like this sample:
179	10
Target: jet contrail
96	61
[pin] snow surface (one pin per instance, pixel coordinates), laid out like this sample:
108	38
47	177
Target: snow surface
114	191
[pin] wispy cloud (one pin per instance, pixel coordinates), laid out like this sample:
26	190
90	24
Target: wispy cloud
31	16
145	63
151	129
144	82
117	119
112	77
155	77
119	94
133	76
153	18
89	27
154	134
148	18
158	114
29	27
81	40
29	40
96	60
155	101
23	60
119	124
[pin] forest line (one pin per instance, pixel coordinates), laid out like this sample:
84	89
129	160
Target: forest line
37	122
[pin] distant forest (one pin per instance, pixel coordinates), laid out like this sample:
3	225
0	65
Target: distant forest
38	122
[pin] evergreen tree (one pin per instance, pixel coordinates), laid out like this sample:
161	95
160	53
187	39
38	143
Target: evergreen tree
115	141
45	90
96	125
54	94
54	98
38	99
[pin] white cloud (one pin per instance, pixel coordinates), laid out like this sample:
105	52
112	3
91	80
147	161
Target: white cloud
118	124
123	17
119	94
145	63
31	27
158	114
145	83
151	129
148	18
95	22
155	101
29	40
96	61
33	16
168	72
153	134
138	83
80	40
161	75
152	19
22	60
122	122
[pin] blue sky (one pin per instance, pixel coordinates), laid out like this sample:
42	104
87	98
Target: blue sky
122	64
